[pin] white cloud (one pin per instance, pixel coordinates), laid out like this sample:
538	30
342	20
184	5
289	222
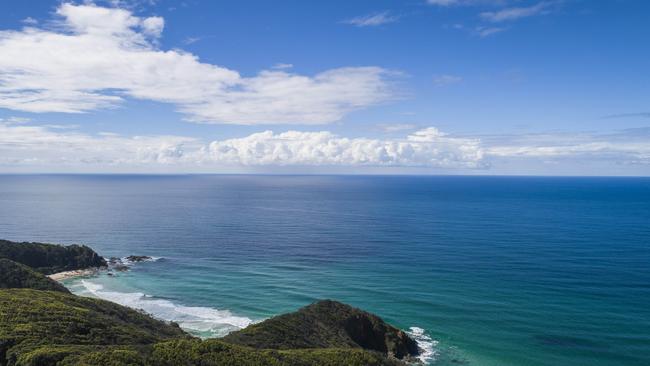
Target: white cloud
30	21
443	2
97	56
445	79
516	12
46	146
372	20
425	148
623	147
191	40
15	120
398	127
488	31
466	2
27	147
282	66
153	26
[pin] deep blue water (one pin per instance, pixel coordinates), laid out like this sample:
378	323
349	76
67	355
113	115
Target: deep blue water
497	270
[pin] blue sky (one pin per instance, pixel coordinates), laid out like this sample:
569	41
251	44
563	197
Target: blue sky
415	86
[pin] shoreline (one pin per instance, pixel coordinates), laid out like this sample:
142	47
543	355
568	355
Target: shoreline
60	276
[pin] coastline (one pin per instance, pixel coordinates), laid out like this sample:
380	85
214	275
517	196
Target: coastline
66	318
60	276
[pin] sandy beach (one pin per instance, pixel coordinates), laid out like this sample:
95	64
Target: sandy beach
60	276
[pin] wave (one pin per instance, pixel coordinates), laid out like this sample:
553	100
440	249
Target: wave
428	351
201	321
127	262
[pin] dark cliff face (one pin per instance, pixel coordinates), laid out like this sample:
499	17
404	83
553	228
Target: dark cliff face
16	275
326	324
50	258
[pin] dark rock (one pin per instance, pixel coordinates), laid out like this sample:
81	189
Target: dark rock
51	258
121	268
327	324
138	258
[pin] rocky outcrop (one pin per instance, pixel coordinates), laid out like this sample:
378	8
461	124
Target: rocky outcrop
138	258
327	324
50	258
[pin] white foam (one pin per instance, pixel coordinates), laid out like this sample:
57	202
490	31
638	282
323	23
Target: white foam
127	262
203	321
427	345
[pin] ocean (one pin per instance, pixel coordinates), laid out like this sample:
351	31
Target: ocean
532	271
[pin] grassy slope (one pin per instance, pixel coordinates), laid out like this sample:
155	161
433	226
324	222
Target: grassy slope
16	275
43	328
33	317
326	324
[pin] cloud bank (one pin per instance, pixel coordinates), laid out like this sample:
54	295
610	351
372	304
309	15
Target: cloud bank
94	57
425	148
62	148
22	144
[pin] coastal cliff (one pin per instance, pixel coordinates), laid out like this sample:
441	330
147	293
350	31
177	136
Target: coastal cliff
51	258
42	324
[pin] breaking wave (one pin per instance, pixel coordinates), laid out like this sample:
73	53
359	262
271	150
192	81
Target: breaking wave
201	321
428	351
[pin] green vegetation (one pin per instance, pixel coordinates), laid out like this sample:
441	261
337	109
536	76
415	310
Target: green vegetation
216	352
51	258
327	324
16	275
42	328
32	321
42	324
211	352
34	316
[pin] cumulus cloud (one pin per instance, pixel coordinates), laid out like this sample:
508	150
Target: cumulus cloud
97	56
425	148
430	148
64	148
372	20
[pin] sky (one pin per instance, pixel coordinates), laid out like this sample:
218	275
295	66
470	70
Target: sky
486	87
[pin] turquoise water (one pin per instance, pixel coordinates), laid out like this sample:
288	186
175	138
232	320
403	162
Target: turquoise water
495	270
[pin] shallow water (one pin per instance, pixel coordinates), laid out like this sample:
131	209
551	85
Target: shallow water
487	270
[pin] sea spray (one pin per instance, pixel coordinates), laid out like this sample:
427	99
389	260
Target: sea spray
427	345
